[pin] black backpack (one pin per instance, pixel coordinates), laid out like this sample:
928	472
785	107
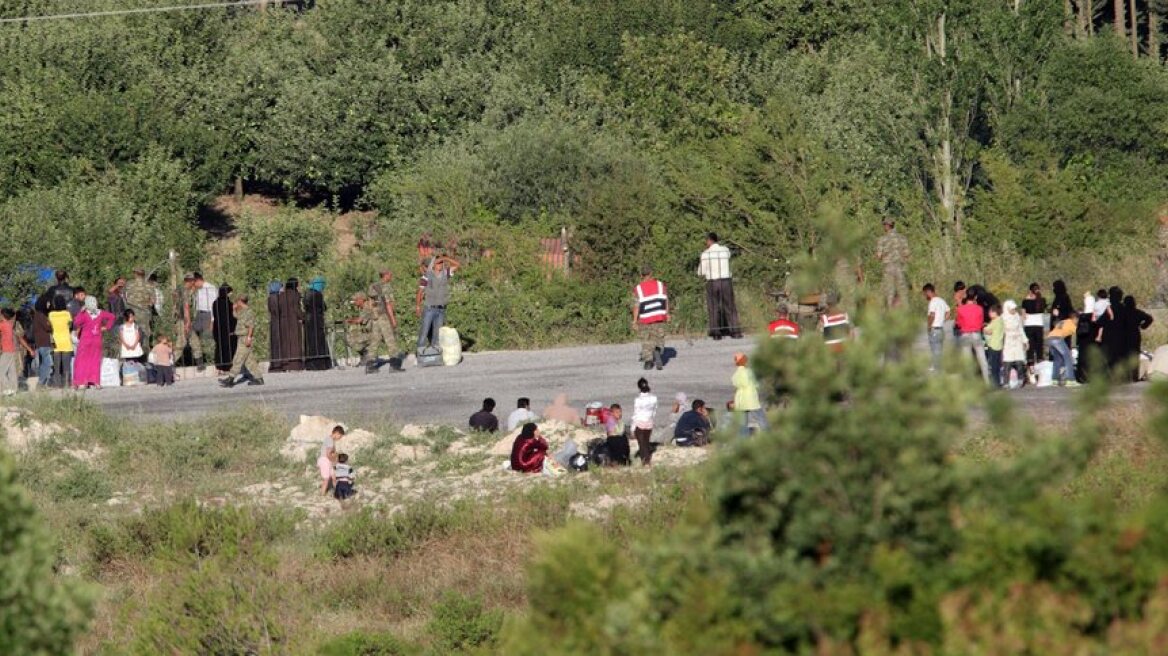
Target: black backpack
598	452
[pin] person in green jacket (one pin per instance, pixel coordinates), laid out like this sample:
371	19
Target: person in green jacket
746	403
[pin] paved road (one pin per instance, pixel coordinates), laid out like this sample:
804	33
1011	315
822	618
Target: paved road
450	394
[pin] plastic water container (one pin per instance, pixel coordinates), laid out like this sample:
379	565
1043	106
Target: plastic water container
451	346
592	413
1045	373
111	372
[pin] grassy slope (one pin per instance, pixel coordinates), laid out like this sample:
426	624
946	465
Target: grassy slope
145	513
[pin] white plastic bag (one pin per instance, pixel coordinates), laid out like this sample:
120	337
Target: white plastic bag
111	372
451	345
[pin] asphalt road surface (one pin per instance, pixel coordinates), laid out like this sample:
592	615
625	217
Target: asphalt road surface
448	395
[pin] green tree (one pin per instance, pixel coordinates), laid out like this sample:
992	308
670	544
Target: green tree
43	612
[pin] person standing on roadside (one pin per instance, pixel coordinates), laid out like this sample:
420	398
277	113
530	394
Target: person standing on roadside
12	345
747	403
42	337
937	315
203	323
721	308
61	290
115	300
644	414
434	290
384	324
970	322
1034	322
245	322
650	314
892	252
77	303
139	295
185	316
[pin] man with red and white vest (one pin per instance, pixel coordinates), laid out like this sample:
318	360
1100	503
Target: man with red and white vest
650	314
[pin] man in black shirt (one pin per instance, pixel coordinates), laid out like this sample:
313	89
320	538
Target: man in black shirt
485	419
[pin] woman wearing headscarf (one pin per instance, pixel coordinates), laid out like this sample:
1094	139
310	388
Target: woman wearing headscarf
291	329
276	348
1137	321
316	352
90	326
223	316
1015	344
1111	329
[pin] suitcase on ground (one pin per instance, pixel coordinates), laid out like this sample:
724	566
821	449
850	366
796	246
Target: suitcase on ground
429	356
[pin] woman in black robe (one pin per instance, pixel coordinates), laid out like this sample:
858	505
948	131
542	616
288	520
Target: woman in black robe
276	350
316	352
290	327
1111	331
224	318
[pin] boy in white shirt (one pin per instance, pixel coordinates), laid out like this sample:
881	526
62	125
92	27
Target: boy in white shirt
521	415
938	313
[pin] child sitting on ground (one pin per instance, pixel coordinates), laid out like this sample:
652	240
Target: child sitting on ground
163	356
616	436
343	474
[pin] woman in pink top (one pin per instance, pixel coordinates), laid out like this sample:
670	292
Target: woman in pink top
90	324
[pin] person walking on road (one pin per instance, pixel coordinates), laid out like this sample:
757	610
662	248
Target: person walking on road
384	324
245	322
650	314
434	291
747	402
720	305
892	252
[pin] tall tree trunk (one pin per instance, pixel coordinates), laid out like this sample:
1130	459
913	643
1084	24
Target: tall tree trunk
1090	16
1070	23
1154	31
1135	28
1120	25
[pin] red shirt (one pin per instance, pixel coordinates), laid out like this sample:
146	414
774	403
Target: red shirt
784	328
970	318
7	336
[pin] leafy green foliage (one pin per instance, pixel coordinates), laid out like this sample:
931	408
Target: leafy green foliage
43	612
461	623
285	245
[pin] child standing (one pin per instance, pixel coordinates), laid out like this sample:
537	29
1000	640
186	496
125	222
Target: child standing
62	323
328	455
995	338
11	336
130	337
343	474
163	355
1016	344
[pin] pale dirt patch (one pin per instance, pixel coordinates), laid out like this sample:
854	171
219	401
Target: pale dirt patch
22	430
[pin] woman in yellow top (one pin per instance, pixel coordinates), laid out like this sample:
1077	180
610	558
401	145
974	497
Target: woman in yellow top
746	401
62	324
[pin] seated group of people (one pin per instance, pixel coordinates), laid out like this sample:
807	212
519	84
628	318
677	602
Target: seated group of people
692	427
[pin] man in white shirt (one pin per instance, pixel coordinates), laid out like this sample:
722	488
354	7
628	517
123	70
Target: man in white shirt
521	415
203	323
715	268
938	313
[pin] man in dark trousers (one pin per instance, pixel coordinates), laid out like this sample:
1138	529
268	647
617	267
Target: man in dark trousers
715	268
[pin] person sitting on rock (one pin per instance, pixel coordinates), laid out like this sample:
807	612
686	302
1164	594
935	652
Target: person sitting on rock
616	436
529	450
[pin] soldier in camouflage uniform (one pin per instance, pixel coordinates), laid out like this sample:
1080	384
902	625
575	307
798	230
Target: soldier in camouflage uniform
1161	299
650	315
184	332
140	296
361	334
384	324
892	251
245	322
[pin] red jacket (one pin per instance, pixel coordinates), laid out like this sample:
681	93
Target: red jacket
527	454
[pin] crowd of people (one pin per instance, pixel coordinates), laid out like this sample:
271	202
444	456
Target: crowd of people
66	337
1010	342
